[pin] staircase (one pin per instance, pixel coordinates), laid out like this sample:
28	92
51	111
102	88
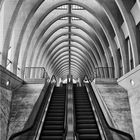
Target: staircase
86	126
53	127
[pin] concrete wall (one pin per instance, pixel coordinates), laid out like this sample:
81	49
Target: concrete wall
5	101
116	99
8	82
17	99
23	101
7	76
131	82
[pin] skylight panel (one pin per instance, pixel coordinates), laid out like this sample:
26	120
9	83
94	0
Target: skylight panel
76	7
75	18
63	7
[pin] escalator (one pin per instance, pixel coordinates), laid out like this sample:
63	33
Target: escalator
53	127
86	125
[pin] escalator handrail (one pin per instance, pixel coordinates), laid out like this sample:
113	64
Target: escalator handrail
74	114
106	123
65	119
13	136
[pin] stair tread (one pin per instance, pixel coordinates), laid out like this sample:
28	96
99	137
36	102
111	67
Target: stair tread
89	137
54	130
88	131
53	122
51	138
86	121
88	125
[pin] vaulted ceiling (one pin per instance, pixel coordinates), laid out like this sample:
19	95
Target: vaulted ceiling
69	36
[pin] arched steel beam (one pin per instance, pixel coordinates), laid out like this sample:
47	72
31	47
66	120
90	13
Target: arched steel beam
74	25
44	51
90	10
58	53
73	61
112	43
54	50
53	21
130	24
17	48
66	64
55	56
9	34
56	61
89	56
78	67
1	4
82	59
60	62
119	35
66	71
77	72
73	68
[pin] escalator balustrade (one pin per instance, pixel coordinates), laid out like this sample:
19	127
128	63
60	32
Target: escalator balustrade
86	125
53	127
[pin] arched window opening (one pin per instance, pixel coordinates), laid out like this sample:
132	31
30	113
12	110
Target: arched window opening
120	62
138	36
129	53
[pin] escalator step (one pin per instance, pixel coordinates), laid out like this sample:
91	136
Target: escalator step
86	121
84	113
50	132
54	118
82	102
53	127
56	107
56	111
87	126
85	117
89	137
60	114
51	138
88	131
53	122
83	109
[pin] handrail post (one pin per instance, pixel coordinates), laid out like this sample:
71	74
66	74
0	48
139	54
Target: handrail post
70	116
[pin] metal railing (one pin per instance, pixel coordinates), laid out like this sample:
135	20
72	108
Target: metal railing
101	72
35	73
31	132
110	132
